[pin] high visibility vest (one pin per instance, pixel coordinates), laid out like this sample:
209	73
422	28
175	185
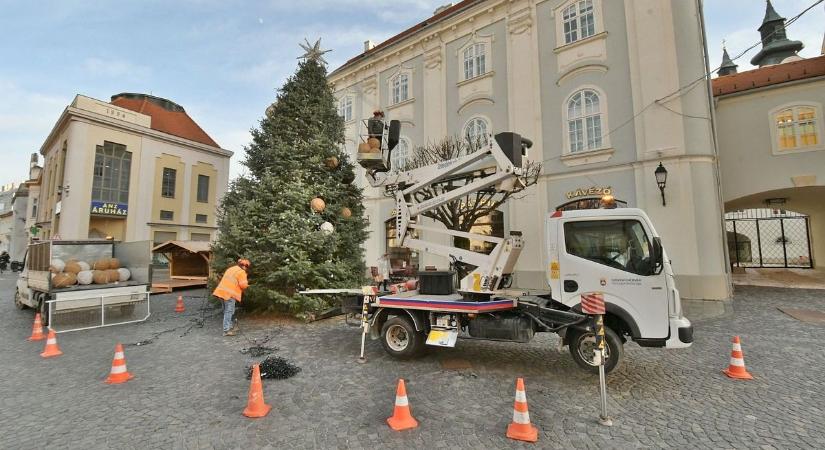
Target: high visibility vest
232	284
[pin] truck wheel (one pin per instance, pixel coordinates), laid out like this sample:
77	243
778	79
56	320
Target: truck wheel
400	339
18	302
582	345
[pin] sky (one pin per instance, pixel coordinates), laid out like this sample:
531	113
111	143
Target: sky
223	60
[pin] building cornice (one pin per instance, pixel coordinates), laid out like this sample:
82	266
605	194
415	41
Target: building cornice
72	113
365	64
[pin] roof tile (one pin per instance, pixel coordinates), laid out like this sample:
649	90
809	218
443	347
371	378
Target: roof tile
769	76
171	120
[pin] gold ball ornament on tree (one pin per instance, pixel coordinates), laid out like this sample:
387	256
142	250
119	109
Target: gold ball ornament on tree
375	144
317	204
331	162
346	213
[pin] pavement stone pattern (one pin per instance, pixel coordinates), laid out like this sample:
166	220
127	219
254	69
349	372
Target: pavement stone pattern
190	387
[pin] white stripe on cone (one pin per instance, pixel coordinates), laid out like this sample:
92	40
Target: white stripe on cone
521	418
118	355
118	369
521	397
737	346
739	362
401	401
51	341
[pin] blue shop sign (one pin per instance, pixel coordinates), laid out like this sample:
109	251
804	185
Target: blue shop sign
110	209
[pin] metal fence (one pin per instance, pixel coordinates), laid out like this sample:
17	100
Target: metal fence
764	241
99	311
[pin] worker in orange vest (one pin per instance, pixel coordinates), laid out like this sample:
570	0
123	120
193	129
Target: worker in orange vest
230	290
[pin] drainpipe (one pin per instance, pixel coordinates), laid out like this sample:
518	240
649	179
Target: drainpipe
712	107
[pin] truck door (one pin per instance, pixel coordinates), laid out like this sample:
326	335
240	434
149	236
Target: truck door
23	281
613	255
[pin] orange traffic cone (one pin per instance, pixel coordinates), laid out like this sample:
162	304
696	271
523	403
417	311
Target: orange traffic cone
179	307
401	418
736	369
255	406
51	346
37	329
118	373
521	429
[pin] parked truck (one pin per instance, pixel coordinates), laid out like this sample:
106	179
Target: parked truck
613	254
82	306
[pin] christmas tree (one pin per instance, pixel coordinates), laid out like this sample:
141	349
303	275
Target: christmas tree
297	215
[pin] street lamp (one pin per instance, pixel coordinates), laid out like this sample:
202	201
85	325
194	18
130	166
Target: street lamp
661	180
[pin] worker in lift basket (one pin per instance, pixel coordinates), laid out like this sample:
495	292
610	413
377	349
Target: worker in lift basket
230	290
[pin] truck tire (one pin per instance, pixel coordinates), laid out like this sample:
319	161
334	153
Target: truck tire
582	345
400	338
18	302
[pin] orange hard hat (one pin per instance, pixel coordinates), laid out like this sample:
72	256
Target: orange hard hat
244	263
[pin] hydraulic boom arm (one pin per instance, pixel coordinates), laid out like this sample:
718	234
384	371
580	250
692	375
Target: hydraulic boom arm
503	153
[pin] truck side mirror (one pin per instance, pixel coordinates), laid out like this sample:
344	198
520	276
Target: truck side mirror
657	260
394	134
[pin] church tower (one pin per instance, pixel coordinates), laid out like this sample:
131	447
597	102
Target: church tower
727	67
775	43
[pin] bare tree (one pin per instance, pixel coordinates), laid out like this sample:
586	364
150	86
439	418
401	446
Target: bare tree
463	213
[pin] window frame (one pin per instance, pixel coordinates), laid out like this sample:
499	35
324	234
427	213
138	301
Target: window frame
345	108
171	215
819	127
602	115
474	60
475	119
597	22
395	164
164	192
114	186
205	218
205	197
406	88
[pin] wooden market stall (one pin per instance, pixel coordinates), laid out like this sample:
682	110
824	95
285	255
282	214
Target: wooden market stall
188	265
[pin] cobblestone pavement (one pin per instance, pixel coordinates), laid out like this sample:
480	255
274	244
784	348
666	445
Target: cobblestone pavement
190	388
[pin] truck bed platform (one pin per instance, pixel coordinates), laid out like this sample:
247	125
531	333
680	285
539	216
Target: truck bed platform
450	303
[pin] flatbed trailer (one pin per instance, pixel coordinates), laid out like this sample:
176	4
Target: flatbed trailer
86	306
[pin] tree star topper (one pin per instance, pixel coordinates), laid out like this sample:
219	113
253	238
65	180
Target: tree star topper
313	52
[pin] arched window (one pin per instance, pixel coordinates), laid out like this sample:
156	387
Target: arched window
584	121
400	88
578	21
796	127
475	61
400	154
476	130
345	108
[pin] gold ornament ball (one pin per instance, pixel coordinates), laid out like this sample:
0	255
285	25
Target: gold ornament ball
317	204
346	212
331	162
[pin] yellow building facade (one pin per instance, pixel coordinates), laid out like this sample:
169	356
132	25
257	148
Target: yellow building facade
135	168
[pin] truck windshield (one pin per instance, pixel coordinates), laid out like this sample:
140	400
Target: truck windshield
621	244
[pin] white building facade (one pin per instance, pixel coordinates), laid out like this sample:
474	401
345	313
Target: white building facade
606	89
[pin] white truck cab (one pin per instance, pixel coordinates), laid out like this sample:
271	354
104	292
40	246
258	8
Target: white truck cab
617	252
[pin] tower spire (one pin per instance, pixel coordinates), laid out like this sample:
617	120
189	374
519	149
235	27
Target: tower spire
775	43
727	67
